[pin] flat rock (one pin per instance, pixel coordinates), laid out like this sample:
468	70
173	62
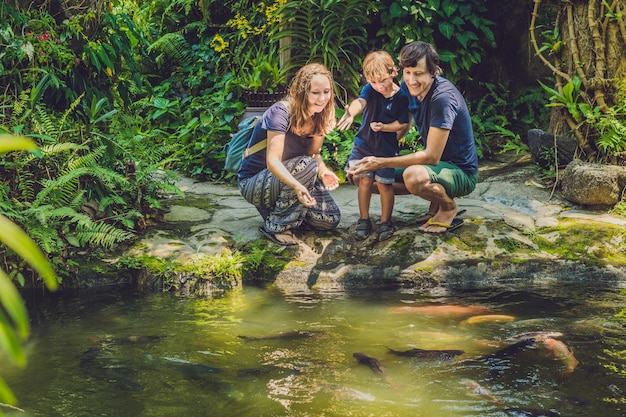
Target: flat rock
509	205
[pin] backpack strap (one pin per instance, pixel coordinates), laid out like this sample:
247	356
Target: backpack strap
257	146
254	148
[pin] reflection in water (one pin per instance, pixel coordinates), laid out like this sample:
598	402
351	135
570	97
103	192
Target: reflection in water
536	352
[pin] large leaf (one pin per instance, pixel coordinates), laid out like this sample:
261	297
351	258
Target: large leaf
16	239
16	143
15	324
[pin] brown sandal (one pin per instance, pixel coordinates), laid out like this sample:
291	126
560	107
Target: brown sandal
285	238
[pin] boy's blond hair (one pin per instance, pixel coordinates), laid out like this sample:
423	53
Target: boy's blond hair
379	65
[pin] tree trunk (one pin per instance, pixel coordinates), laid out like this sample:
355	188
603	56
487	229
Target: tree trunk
593	38
61	9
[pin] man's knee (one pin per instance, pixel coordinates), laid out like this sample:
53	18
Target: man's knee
415	177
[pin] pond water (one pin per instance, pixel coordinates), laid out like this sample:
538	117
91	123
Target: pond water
261	352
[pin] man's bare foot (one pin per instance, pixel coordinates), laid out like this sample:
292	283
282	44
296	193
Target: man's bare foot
432	210
424	218
440	222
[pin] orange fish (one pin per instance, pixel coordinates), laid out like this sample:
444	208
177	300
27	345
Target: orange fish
559	351
488	318
445	310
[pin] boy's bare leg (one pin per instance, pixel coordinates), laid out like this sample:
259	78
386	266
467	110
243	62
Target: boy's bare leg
364	196
387	199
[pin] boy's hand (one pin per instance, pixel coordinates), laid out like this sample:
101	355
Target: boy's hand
346	121
377	126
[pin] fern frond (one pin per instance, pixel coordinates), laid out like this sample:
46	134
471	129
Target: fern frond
68	214
158	157
47	238
63	196
187	6
88	159
153	202
57	148
44	123
108	177
62	147
63	188
101	234
198	26
73	106
171	46
111	199
77	202
26	184
19	106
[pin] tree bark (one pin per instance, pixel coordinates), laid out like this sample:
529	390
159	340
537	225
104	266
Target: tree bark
594	49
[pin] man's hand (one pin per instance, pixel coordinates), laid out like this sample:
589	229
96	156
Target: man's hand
367	164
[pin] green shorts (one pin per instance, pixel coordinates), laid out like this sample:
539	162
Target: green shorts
456	182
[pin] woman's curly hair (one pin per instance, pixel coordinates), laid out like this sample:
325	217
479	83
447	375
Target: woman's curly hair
323	122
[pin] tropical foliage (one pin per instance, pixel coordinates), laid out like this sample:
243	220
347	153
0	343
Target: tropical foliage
14	324
587	93
119	99
91	185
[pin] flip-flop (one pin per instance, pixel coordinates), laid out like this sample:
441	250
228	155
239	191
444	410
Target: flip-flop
428	213
456	223
273	239
422	221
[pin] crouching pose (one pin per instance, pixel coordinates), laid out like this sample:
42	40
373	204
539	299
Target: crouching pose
287	181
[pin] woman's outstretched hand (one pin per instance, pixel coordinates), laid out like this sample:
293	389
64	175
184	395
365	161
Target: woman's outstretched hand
329	179
304	197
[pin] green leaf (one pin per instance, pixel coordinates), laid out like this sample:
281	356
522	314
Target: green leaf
568	92
446	29
16	239
395	11
6	395
449	7
554	95
13	305
16	143
447	56
488	34
463	39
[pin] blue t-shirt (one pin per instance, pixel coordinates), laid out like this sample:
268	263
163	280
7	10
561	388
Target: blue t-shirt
444	107
381	109
276	119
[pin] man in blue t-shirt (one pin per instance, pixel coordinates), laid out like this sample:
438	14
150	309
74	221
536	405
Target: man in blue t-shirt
447	167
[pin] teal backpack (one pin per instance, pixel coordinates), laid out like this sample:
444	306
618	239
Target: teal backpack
237	149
